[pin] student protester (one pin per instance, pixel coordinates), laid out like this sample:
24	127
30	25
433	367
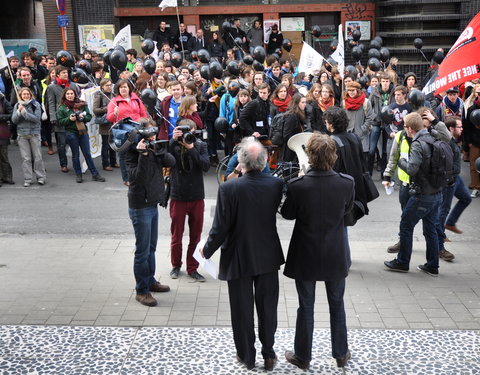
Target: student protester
243	98
275	40
169	109
181	40
258	79
279	100
294	123
5	117
189	110
325	100
46	134
217	48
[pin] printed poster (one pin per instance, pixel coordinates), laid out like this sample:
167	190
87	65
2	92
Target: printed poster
98	38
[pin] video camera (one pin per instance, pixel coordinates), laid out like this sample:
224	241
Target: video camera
188	136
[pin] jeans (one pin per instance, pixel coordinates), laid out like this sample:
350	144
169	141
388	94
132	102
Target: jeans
459	190
304	327
77	142
425	208
374	137
60	137
213	138
403	196
5	167
46	132
145	226
30	150
123	166
109	156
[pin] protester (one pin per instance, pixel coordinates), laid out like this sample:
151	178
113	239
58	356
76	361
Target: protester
5	116
279	100
189	110
217	48
275	40
471	138
293	124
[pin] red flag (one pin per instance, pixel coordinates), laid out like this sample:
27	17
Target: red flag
462	62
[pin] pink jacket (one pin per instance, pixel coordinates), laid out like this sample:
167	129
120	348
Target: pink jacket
133	108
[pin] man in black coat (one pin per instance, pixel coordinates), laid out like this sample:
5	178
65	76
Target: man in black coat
255	116
319	248
245	227
162	35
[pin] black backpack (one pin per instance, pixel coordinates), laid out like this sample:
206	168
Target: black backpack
440	172
276	129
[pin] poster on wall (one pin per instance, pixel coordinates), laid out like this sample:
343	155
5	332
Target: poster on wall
267	28
293	24
98	38
363	26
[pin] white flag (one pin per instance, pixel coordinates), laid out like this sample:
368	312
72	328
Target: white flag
339	54
310	60
3	57
168	3
123	38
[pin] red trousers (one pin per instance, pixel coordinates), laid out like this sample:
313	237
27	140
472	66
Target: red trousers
178	211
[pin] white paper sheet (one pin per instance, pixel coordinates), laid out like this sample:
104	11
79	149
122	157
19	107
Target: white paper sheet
207	264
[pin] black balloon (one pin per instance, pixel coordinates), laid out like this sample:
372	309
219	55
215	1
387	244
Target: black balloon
194	55
258	66
85	65
475	117
233	68
278	51
438	57
78	75
331	61
205	72
149	98
118	59
384	54
65	58
362	47
375	44
119	48
350	69
356	35
316	31
356	53
259	54
221	124
216	70
416	99
149	65
176	59
277	57
418	43
363	80
372	52
287	44
333	45
226	26
191	68
106	57
203	56
238	41
148	46
374	64
248	59
379	40
386	114
233	88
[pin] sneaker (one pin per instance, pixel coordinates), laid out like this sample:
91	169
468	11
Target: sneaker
453	228
174	272
98	178
26	184
446	255
41	182
159	288
429	271
197	277
475	193
394	248
146	299
79	178
393	265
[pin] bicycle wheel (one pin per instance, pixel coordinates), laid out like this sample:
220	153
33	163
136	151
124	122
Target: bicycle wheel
221	169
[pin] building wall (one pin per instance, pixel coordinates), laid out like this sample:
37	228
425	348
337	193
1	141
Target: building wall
27	24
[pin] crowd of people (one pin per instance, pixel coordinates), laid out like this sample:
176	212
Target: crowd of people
376	120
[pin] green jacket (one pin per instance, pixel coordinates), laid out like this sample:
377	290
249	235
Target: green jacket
63	118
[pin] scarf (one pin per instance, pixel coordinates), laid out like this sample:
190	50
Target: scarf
62	82
282	105
74	105
324	104
454	107
352	104
214	87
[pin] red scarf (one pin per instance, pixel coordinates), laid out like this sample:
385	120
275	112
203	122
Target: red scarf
62	82
324	104
282	105
75	105
352	104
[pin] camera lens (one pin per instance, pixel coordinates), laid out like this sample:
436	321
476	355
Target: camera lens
189	138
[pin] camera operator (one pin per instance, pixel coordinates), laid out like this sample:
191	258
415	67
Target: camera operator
145	191
187	193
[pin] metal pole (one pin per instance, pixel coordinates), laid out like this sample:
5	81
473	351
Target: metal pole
180	33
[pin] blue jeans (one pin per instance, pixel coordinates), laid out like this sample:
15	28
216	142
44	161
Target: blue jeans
61	143
145	226
77	142
425	208
374	137
460	192
304	326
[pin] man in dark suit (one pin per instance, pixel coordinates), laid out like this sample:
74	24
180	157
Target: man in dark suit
319	248
245	223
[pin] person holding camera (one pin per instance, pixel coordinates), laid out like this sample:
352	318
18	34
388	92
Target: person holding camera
73	114
145	191
187	194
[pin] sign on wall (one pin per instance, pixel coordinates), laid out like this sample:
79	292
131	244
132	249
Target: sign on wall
363	26
267	28
98	38
293	24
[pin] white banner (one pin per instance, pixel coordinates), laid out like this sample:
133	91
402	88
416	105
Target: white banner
339	54
93	129
310	60
3	57
124	38
167	3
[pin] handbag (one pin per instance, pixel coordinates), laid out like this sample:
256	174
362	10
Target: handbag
371	190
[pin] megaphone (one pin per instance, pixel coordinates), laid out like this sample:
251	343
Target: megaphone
298	143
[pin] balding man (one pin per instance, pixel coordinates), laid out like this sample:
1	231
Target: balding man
245	227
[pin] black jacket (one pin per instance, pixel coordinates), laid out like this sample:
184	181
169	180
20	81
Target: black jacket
274	42
145	176
5	116
471	134
177	44
316	118
186	180
255	113
245	226
218	50
195	44
318	248
292	125
163	37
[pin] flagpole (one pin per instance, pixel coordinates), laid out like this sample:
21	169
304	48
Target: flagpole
13	81
180	33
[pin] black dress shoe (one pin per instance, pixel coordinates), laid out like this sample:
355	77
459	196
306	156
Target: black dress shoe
342	362
249	367
294	360
270	363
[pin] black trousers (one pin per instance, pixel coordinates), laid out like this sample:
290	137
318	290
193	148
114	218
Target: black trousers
263	291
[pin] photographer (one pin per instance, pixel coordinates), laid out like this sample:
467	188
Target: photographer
145	191
187	193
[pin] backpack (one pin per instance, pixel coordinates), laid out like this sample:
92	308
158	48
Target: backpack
276	129
440	171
